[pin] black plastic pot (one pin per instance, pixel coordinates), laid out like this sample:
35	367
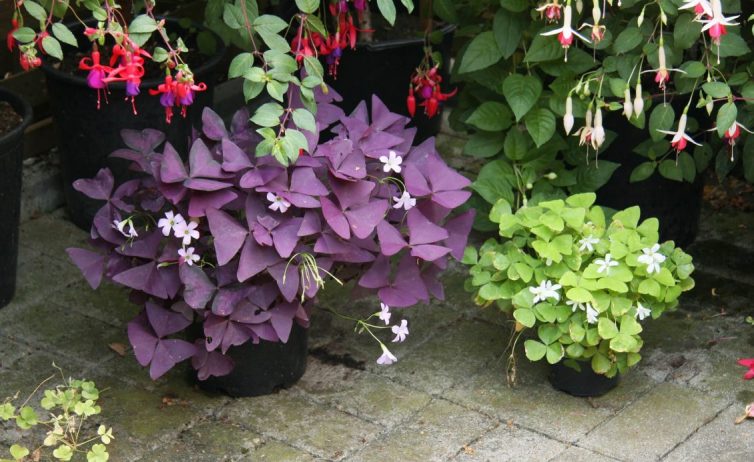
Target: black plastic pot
11	158
384	69
677	205
263	368
584	383
87	136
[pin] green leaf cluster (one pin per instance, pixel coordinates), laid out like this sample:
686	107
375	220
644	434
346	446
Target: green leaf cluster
546	243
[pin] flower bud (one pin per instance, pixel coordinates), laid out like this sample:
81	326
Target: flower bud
596	12
638	101
551	176
579	6
710	106
529	186
628	107
568	117
640	19
598	134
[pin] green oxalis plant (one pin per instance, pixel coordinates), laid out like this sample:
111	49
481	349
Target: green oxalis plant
581	282
69	406
539	106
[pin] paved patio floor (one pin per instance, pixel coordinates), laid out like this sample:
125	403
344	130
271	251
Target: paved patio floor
446	399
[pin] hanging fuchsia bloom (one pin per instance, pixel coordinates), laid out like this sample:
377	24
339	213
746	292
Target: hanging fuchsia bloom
566	33
701	7
97	73
550	11
185	90
717	22
680	138
167	98
9	40
750	364
360	5
130	70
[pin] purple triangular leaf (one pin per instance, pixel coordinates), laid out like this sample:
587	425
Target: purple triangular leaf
100	187
201	201
391	240
282	319
172	168
362	220
254	259
228	233
287	278
335	218
378	274
422	231
234	159
165	322
210	363
213	125
167	354
91	264
201	162
458	230
198	289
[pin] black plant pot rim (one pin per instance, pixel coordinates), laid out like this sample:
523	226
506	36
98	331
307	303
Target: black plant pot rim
22	107
383	45
78	80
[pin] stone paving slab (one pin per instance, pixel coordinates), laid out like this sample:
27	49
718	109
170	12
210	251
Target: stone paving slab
719	441
655	424
577	454
507	443
437	433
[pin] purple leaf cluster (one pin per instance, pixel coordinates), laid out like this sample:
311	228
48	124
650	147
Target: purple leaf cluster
257	221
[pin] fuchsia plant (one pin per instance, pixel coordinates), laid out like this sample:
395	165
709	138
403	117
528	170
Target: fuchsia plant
241	244
124	43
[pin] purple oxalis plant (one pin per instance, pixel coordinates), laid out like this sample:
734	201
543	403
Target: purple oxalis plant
241	244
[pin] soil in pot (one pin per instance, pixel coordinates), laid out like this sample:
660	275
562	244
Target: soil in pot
384	67
15	116
582	383
88	135
263	368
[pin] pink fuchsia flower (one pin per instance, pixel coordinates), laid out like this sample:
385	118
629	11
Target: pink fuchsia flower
97	74
734	132
701	8
717	22
750	364
566	33
387	357
9	40
680	137
400	331
550	11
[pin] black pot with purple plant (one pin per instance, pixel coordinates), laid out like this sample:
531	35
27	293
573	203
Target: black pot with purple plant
239	245
15	116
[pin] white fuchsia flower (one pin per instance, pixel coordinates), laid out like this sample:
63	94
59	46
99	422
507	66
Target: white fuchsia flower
642	312
701	7
188	256
545	290
186	231
652	258
592	315
400	331
638	100
391	162
550	10
588	243
168	223
598	132
566	33
680	138
605	264
387	357
385	313
405	201
277	203
585	133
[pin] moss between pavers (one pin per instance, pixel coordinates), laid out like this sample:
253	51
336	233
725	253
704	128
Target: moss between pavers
289	417
655	423
109	303
219	441
361	393
436	433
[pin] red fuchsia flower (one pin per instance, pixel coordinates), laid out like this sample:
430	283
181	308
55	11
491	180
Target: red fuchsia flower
9	40
750	364
302	47
28	58
426	83
680	138
411	101
550	11
97	73
178	92
130	70
566	33
662	73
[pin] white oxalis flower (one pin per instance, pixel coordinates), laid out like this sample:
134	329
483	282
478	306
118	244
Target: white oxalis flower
588	243
405	201
278	203
188	256
392	162
168	223
575	306
545	290
591	314
606	264
400	331
642	311
121	226
385	313
186	231
652	258
387	357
